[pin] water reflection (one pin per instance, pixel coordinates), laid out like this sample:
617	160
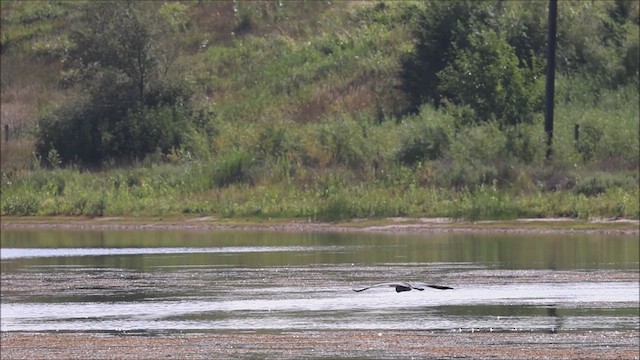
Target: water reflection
500	251
200	281
18	253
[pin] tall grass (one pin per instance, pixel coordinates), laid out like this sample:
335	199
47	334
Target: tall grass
171	190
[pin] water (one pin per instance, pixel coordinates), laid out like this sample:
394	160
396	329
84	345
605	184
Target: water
168	281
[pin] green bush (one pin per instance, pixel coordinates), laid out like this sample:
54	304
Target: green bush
78	205
277	140
597	184
592	37
486	77
236	167
93	131
523	142
97	207
337	208
421	142
131	108
441	29
24	205
589	141
485	203
344	140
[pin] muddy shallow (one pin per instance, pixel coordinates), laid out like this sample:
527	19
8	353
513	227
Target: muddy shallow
529	341
322	344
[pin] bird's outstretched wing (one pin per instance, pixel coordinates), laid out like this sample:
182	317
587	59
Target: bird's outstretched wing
389	284
439	287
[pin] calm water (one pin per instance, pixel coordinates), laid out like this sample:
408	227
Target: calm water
164	281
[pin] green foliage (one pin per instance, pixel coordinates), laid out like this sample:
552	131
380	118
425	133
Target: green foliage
485	203
99	133
422	141
151	128
486	77
129	112
592	36
236	167
97	207
524	24
53	158
588	141
20	205
34	11
608	124
277	140
117	40
487	54
523	142
342	141
441	29
599	183
175	15
338	208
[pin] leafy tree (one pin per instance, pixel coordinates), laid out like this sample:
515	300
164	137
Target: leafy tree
599	40
463	57
131	107
485	76
441	29
117	40
524	25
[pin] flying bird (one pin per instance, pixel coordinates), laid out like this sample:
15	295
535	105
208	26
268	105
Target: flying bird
405	286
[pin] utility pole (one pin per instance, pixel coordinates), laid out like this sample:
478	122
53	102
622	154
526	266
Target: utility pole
551	75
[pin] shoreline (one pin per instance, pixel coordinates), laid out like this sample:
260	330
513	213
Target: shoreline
389	225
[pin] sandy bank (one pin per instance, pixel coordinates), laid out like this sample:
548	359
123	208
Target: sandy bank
390	225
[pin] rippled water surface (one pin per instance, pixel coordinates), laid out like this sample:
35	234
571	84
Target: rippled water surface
201	281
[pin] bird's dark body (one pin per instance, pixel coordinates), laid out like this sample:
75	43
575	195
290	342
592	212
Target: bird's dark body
400	288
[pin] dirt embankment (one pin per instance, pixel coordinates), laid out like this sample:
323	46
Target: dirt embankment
390	225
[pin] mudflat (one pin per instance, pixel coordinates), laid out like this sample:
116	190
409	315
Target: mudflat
322	344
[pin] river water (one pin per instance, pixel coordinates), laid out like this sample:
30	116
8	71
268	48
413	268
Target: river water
197	281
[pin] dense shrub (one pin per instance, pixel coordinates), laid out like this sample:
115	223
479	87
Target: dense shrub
588	142
20	205
90	132
131	108
486	77
422	141
600	40
599	183
236	167
339	141
441	28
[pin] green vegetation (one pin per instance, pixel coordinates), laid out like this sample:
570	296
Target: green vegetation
318	111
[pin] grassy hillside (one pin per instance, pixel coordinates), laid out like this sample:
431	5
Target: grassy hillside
300	109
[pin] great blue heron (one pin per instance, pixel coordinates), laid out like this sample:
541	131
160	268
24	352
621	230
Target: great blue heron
405	286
